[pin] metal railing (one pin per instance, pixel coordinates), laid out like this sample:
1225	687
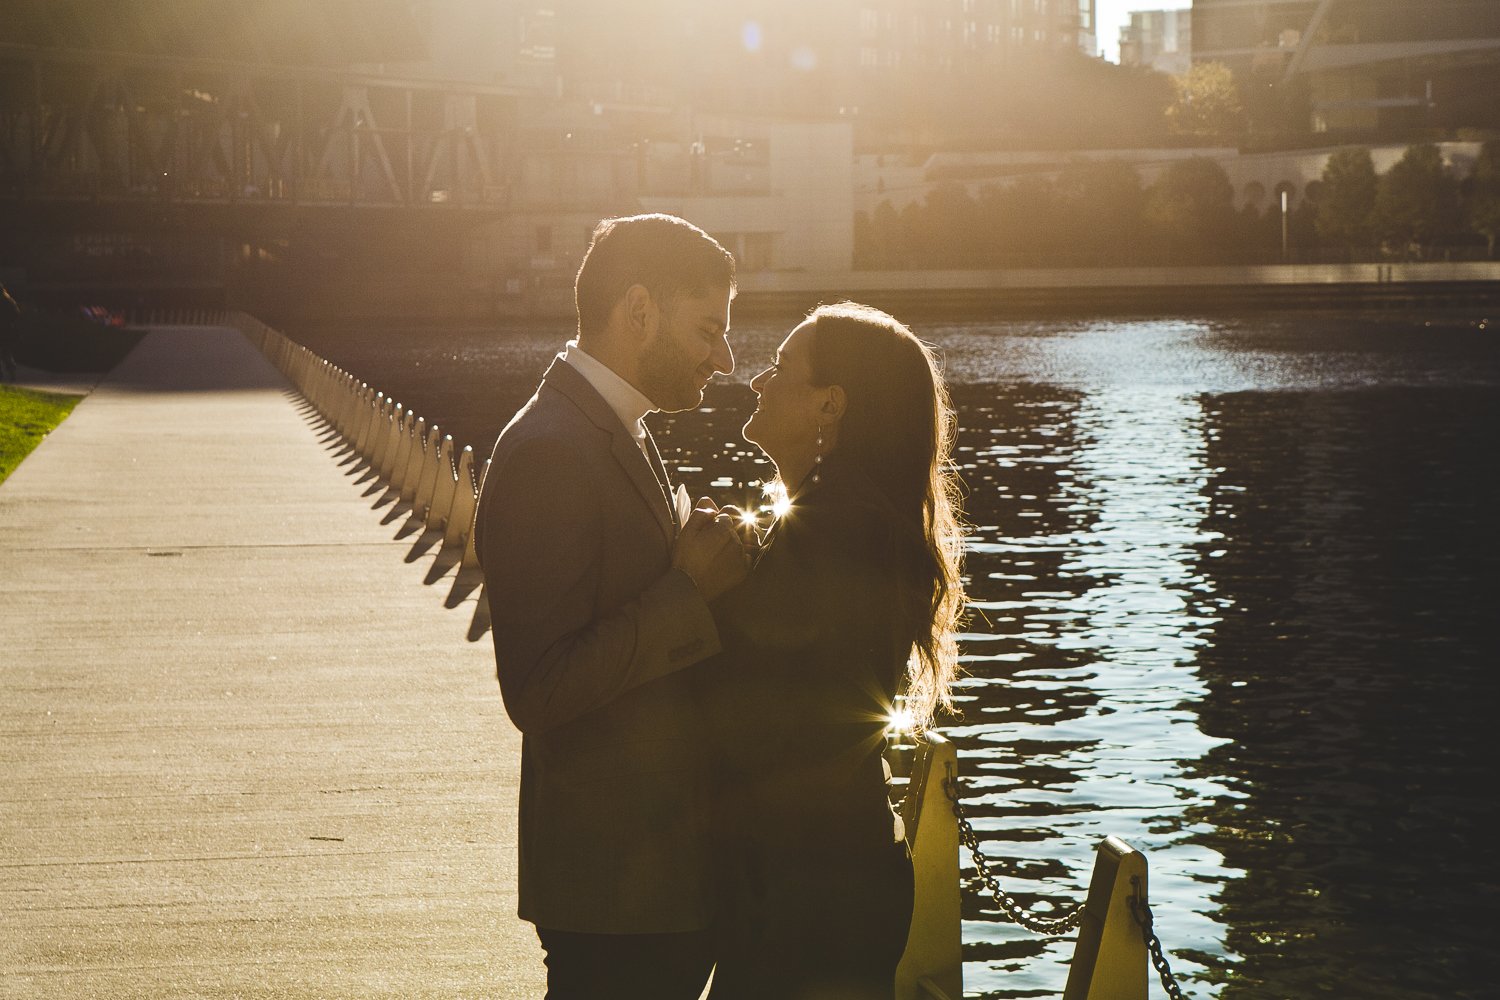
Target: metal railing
414	458
1114	922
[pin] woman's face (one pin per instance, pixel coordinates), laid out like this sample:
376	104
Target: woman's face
785	421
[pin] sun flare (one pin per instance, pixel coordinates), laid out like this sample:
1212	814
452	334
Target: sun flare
900	720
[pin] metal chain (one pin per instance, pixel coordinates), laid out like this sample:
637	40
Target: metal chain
1014	910
1141	911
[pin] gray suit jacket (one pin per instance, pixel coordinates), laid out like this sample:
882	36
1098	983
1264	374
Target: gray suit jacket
591	625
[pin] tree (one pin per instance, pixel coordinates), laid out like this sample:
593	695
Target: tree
879	239
1190	207
1417	201
1207	102
949	234
1346	205
1019	221
1482	207
1099	206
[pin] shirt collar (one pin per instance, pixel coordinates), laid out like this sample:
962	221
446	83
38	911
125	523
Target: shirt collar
628	403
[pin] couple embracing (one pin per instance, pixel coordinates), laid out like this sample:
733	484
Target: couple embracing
702	703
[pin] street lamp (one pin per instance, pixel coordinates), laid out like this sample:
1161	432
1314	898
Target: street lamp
1284	200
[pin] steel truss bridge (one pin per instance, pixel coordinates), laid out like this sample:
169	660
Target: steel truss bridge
104	128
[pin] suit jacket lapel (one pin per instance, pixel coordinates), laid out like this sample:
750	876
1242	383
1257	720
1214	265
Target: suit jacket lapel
567	380
660	468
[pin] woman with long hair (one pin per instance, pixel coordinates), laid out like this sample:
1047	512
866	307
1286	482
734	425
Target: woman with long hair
851	607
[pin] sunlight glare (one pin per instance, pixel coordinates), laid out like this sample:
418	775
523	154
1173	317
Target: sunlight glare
900	720
750	36
778	500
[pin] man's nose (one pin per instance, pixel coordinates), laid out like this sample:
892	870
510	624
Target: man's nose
723	356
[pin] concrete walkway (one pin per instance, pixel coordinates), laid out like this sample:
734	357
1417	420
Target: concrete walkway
246	747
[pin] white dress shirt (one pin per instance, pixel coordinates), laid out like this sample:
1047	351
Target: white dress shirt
629	403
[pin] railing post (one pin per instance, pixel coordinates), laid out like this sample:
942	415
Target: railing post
369	402
932	964
348	405
443	485
471	554
380	436
391	429
402	452
456	531
411	469
421	502
1110	958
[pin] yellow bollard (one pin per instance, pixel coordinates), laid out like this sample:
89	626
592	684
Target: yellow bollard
932	965
1110	960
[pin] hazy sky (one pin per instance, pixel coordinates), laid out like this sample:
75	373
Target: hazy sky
1113	14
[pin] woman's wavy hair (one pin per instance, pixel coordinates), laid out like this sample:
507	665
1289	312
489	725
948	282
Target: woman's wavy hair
897	429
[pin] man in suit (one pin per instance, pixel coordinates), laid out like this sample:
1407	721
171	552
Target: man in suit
598	585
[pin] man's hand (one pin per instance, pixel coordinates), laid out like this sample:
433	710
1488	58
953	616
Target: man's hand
709	551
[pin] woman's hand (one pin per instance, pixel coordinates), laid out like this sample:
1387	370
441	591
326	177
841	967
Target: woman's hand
746	526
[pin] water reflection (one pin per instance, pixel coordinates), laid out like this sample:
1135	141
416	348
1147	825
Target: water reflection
1094	621
1229	583
1354	678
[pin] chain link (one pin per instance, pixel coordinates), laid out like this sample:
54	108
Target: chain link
1014	910
1141	911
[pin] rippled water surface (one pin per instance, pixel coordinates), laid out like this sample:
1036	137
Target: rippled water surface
1231	603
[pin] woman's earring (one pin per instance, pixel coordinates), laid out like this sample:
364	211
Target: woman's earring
818	458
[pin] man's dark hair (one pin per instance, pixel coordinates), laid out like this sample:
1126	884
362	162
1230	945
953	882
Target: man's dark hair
666	255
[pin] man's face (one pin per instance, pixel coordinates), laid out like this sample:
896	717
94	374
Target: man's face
688	347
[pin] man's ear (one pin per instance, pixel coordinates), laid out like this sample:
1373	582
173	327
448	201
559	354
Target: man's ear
641	312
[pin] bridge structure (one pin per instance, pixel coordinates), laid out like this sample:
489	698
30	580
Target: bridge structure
84	126
144	177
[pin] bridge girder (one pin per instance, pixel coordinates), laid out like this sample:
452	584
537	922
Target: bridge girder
106	128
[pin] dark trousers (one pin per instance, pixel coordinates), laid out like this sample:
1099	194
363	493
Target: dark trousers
626	966
821	924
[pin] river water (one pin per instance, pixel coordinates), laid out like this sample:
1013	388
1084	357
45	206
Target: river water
1230	604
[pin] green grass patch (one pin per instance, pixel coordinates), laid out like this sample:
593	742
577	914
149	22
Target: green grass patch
25	418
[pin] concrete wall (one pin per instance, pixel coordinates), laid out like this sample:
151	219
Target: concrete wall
807	217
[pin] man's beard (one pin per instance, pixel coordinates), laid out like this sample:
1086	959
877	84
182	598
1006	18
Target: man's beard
668	377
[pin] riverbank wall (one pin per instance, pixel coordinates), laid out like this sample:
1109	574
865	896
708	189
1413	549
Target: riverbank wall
1132	289
1056	291
458	296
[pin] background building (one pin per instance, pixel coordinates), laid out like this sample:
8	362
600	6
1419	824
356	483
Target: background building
1088	28
1362	68
1160	39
